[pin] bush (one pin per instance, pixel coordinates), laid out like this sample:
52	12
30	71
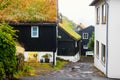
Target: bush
2	72
20	61
7	49
91	42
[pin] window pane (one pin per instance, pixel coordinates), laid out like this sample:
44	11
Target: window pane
85	35
103	53
104	14
97	49
34	33
34	28
98	15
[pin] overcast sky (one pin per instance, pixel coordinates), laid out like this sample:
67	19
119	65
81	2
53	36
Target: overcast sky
78	11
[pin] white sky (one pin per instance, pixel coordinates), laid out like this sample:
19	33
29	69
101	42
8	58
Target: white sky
78	11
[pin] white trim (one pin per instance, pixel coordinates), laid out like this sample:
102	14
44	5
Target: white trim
75	43
85	47
85	35
98	15
40	54
103	53
71	58
37	35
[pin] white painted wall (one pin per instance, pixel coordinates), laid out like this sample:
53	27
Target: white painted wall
25	56
40	54
100	35
114	39
71	58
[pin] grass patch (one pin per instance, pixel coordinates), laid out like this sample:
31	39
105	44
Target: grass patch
60	63
27	71
33	69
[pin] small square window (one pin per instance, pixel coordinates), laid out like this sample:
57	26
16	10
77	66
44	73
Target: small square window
34	31
85	35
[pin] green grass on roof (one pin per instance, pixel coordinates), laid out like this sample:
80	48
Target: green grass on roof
71	32
28	10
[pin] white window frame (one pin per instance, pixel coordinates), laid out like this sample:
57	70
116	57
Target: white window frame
97	49
103	53
104	13
85	47
75	43
98	15
85	35
34	31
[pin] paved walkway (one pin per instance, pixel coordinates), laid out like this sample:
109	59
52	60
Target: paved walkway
73	71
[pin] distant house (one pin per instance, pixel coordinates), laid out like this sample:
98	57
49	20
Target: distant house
107	41
36	24
68	43
86	34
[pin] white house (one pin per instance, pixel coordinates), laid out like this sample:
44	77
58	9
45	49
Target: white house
107	41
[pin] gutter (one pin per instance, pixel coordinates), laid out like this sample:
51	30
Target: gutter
107	37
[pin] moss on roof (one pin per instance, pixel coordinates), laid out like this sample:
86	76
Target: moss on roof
28	10
70	31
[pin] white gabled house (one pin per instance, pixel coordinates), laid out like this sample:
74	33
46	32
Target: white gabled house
107	41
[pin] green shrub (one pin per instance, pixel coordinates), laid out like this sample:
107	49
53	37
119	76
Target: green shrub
2	72
60	63
91	42
20	61
7	49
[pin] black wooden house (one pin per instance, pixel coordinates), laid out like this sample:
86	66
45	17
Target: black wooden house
68	42
86	35
36	24
37	36
36	21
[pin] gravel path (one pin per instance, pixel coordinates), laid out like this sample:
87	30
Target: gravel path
73	71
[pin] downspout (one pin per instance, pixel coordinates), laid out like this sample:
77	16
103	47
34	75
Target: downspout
107	8
57	22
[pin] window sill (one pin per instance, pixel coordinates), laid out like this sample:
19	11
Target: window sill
104	23
97	23
34	37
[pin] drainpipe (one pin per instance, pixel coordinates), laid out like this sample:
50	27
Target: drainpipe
107	8
57	22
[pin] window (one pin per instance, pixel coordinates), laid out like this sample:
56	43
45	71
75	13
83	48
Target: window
98	16
103	53
85	47
97	48
34	31
104	12
75	43
85	35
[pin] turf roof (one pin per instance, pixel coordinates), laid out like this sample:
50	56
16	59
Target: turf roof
28	10
70	31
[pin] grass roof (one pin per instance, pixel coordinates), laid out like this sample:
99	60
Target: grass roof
70	31
28	10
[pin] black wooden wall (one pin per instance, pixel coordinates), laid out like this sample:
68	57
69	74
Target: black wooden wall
66	44
45	42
